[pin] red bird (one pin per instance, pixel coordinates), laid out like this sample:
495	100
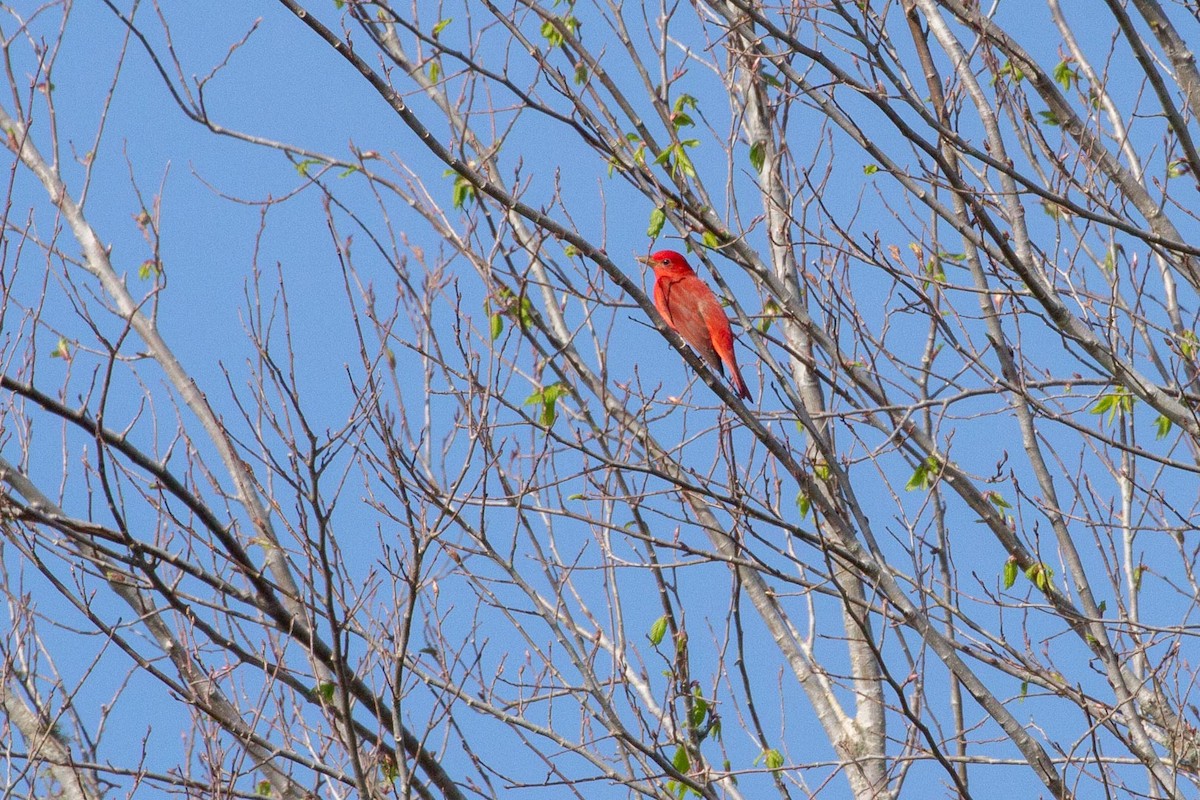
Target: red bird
692	311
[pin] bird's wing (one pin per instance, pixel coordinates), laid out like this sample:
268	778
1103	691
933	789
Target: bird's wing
662	289
691	304
719	332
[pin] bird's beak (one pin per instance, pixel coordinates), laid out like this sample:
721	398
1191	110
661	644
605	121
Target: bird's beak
644	259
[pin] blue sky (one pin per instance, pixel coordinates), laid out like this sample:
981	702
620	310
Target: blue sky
282	84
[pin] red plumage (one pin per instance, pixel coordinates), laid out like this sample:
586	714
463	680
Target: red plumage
692	310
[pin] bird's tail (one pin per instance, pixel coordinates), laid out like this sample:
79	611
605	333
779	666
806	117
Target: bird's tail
735	377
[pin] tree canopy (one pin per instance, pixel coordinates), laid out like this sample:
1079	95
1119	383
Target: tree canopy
343	452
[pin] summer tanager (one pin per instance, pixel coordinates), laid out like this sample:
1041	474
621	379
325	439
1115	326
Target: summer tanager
692	311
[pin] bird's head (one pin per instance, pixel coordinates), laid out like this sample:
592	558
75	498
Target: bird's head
667	262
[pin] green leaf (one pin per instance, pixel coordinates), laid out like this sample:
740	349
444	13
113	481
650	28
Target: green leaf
581	73
324	692
710	240
1138	572
263	789
681	120
1049	117
348	171
441	26
520	309
1162	426
1188	344
570	251
148	269
680	760
435	71
678	789
548	398
551	34
699	710
1063	75
770	311
998	500
676	157
639	155
62	349
1010	572
758	156
658	218
658	630
463	191
496	326
1009	70
1177	168
870	169
771	758
804	503
683	163
1055	211
1110	257
549	413
924	475
685	101
933	268
1118	401
302	166
919	478
1102	607
1041	575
